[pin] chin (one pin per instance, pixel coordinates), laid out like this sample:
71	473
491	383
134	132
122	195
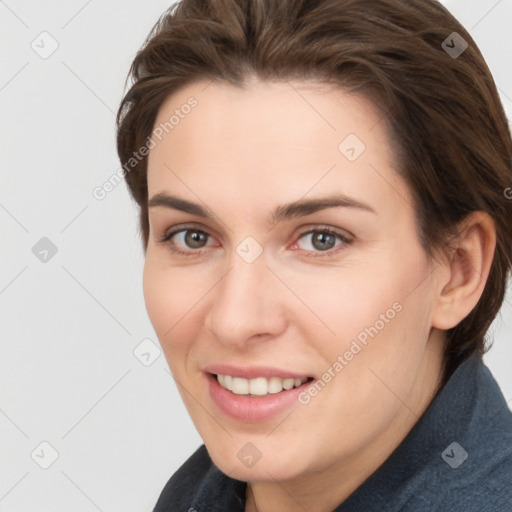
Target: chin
255	461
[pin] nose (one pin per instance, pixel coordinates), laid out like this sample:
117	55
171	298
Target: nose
247	304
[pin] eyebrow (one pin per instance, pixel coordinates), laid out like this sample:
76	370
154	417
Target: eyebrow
287	211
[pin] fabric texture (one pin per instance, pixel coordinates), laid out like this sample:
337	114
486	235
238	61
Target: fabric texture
457	458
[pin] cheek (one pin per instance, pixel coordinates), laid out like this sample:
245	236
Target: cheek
374	315
382	332
172	298
342	303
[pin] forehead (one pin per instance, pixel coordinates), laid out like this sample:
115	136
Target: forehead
275	140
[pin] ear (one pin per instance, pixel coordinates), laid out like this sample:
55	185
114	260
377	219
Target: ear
463	275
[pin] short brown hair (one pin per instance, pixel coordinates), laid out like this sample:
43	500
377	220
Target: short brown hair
452	138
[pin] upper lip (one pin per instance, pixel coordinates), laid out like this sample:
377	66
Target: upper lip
251	372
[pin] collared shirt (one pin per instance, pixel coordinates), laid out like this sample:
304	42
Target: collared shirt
457	458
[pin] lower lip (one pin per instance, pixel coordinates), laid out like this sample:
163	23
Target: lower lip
252	409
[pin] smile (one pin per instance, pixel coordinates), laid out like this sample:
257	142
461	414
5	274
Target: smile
259	386
252	398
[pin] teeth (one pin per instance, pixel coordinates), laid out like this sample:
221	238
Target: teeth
275	385
259	386
289	383
240	386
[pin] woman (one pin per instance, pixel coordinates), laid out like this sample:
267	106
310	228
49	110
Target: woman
324	211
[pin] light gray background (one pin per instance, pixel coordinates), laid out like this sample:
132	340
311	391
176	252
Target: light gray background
70	325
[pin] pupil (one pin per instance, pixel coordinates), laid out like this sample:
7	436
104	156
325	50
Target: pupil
194	238
322	237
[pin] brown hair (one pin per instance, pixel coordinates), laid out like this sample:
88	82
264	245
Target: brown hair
452	138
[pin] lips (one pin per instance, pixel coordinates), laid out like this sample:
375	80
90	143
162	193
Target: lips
248	407
252	372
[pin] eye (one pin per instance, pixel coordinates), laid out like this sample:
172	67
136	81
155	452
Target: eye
323	240
188	238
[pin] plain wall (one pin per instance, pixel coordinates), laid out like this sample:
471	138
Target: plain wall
70	324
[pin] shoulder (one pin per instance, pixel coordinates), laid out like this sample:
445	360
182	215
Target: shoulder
457	458
486	485
181	488
476	472
199	485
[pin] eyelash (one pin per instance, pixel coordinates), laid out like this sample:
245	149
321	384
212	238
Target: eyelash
167	240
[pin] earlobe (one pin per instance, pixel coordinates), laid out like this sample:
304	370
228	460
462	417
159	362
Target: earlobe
466	271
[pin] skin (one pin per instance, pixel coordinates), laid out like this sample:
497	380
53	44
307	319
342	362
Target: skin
241	153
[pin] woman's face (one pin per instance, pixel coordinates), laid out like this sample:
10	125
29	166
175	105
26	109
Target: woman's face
265	284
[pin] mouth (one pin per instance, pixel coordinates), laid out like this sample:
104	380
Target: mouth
252	398
259	386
